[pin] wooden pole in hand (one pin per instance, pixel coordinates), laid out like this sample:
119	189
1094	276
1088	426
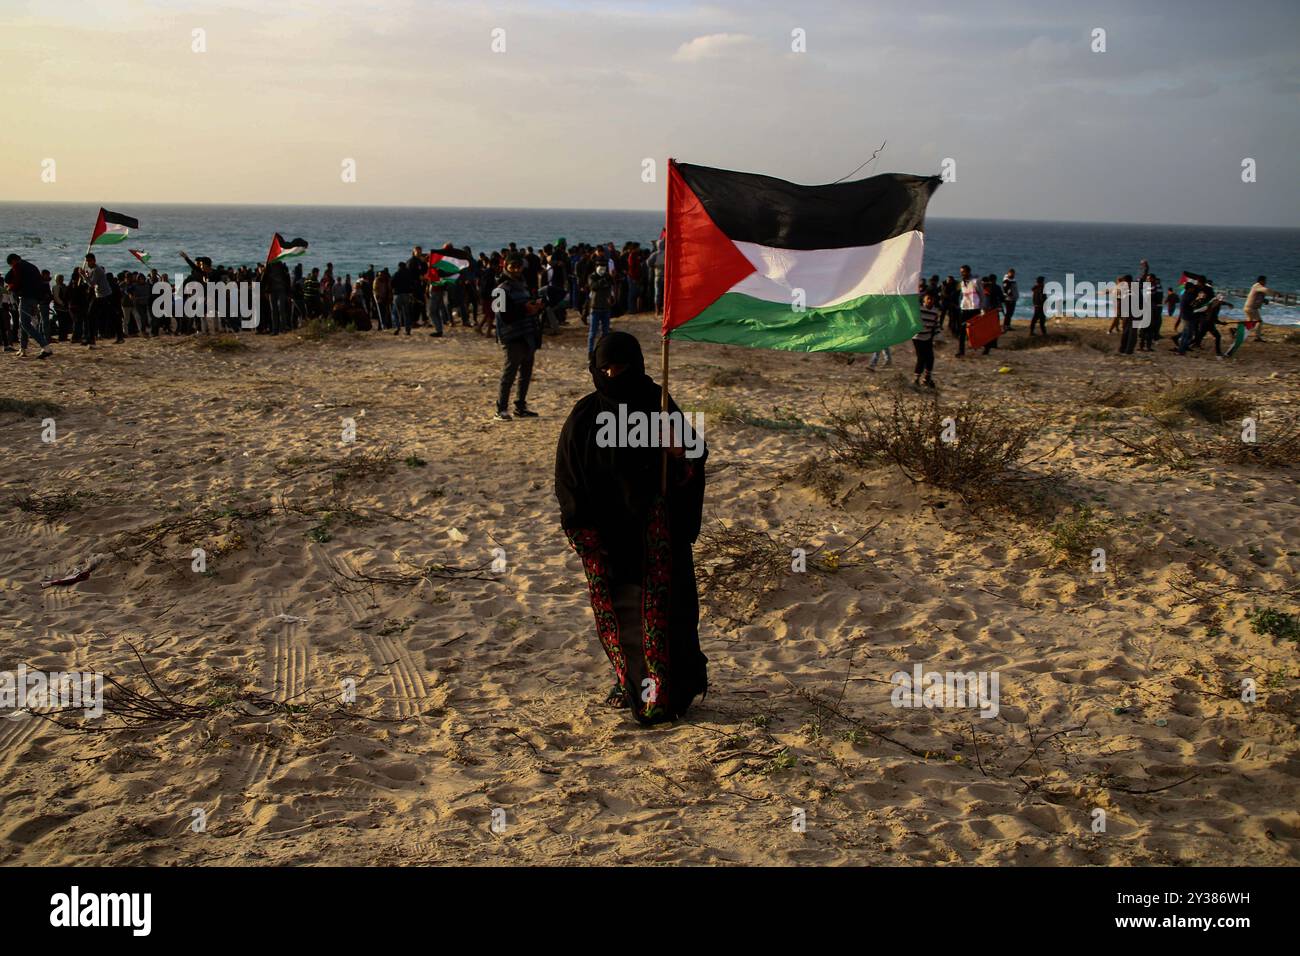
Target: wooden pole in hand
663	407
663	384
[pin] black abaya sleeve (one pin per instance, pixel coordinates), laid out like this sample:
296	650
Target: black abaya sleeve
570	476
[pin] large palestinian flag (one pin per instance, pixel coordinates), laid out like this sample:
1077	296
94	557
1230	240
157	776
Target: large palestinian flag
447	263
112	227
766	263
282	248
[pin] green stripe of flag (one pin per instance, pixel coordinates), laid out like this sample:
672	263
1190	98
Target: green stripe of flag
866	324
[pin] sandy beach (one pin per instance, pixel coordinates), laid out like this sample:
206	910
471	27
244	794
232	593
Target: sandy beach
479	689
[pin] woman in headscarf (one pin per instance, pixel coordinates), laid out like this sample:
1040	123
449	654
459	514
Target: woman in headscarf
635	541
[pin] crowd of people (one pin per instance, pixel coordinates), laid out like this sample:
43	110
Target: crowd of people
1134	307
92	304
518	294
515	294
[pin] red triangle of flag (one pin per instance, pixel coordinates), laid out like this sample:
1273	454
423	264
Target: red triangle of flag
702	262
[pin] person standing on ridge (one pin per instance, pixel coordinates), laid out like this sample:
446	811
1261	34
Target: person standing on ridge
520	333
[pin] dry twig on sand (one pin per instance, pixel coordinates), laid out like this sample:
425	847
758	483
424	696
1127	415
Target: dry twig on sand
201	525
152	705
1269	445
53	506
740	565
352	581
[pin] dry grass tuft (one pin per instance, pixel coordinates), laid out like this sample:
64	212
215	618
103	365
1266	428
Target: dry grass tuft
970	448
1209	399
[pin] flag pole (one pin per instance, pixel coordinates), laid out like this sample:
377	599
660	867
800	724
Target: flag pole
663	385
663	407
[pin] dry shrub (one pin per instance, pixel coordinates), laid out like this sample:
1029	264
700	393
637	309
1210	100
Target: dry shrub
1160	446
1118	396
361	466
220	343
727	377
817	474
324	328
1037	503
31	409
1273	447
225	526
781	419
1021	342
989	446
1079	337
1209	399
346	471
739	565
53	506
720	409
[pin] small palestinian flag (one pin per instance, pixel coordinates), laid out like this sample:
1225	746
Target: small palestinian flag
282	249
447	263
1186	279
1238	339
112	227
765	263
140	254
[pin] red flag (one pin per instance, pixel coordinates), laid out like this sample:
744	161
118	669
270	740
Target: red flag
984	328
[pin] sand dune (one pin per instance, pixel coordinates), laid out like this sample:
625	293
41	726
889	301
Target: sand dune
482	692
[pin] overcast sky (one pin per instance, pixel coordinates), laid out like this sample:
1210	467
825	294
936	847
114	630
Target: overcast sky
1154	129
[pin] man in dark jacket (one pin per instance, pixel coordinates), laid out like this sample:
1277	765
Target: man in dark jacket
417	265
520	334
277	285
28	288
601	296
405	283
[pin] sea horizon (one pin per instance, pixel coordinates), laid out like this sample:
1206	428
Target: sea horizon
353	238
600	209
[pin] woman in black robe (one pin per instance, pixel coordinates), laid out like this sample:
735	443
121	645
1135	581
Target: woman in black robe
634	541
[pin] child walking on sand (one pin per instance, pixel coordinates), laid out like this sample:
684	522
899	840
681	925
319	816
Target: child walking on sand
923	341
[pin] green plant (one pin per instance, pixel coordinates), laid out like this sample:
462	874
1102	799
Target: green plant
782	761
1274	623
1079	532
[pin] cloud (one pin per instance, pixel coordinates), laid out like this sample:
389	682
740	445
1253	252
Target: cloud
714	46
1043	50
